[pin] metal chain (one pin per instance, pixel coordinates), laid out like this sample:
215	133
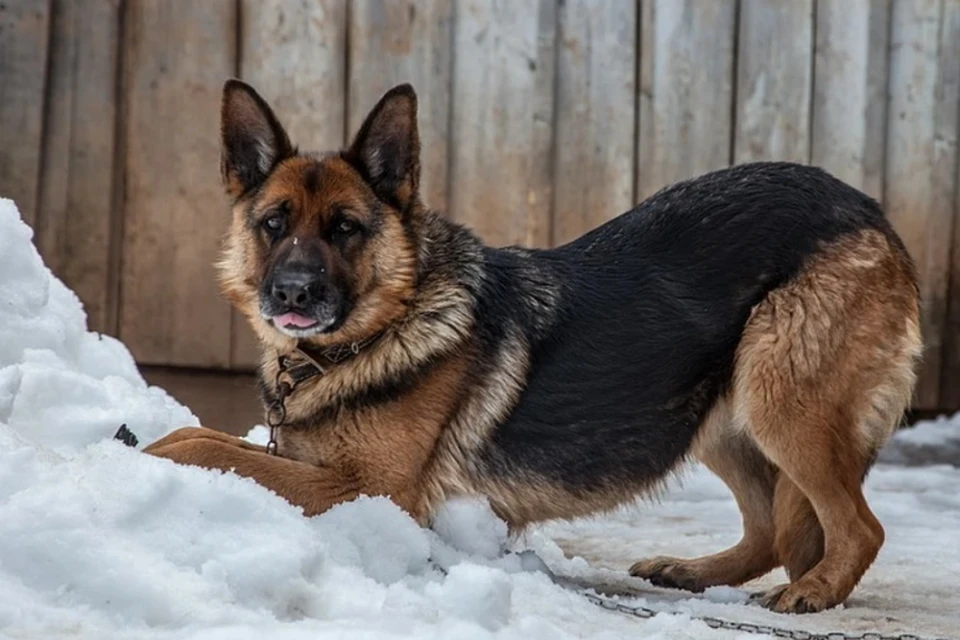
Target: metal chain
646	613
277	412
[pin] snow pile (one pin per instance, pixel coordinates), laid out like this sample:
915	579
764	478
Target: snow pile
929	442
98	540
59	384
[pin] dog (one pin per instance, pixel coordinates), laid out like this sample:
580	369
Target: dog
762	319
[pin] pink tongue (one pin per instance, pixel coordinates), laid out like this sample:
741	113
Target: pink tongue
294	319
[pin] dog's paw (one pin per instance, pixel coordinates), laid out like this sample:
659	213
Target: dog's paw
672	573
797	597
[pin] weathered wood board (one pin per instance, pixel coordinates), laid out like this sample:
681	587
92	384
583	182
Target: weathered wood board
594	158
946	205
24	32
294	55
500	159
78	234
921	161
850	92
686	90
774	81
397	41
176	57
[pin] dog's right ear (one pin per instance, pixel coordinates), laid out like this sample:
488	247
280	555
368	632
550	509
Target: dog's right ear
252	140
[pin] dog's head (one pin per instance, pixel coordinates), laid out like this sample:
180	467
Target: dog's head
322	247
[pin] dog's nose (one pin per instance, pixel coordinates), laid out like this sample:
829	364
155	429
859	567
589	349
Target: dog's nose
295	289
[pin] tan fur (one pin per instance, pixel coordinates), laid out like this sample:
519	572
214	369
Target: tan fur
825	370
799	536
524	502
373	451
823	374
390	449
313	488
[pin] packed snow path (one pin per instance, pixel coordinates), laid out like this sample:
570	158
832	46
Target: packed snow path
100	541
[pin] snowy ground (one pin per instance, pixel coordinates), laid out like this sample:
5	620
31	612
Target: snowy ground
100	541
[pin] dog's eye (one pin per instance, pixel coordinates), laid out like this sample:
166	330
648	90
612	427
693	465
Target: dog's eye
273	224
346	227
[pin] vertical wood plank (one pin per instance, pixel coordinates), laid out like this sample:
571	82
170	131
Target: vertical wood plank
774	81
499	154
244	346
595	118
686	90
294	54
177	56
949	145
397	41
541	180
850	92
24	34
921	156
76	203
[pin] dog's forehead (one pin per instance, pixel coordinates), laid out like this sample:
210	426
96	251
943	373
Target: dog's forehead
314	184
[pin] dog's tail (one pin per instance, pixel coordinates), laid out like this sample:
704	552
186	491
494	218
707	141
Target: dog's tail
126	436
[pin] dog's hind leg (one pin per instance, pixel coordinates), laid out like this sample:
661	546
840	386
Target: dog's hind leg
799	536
823	373
827	470
735	459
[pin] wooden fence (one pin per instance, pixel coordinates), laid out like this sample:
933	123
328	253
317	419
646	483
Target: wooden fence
540	119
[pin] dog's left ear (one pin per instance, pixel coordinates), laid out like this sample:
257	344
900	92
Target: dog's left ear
386	150
252	140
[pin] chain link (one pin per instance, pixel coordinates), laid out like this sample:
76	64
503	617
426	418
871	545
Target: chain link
646	613
277	411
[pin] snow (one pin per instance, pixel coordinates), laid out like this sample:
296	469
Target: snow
929	442
98	540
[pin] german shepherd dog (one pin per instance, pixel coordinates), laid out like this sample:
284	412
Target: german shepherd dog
762	319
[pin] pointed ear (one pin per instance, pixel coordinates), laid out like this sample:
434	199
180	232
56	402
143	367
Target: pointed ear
252	140
386	150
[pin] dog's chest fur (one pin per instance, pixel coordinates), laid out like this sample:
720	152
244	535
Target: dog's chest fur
389	445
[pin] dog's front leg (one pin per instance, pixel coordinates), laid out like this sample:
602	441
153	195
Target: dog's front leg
314	489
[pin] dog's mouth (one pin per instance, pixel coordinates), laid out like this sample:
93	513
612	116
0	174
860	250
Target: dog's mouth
292	320
297	325
300	325
301	322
